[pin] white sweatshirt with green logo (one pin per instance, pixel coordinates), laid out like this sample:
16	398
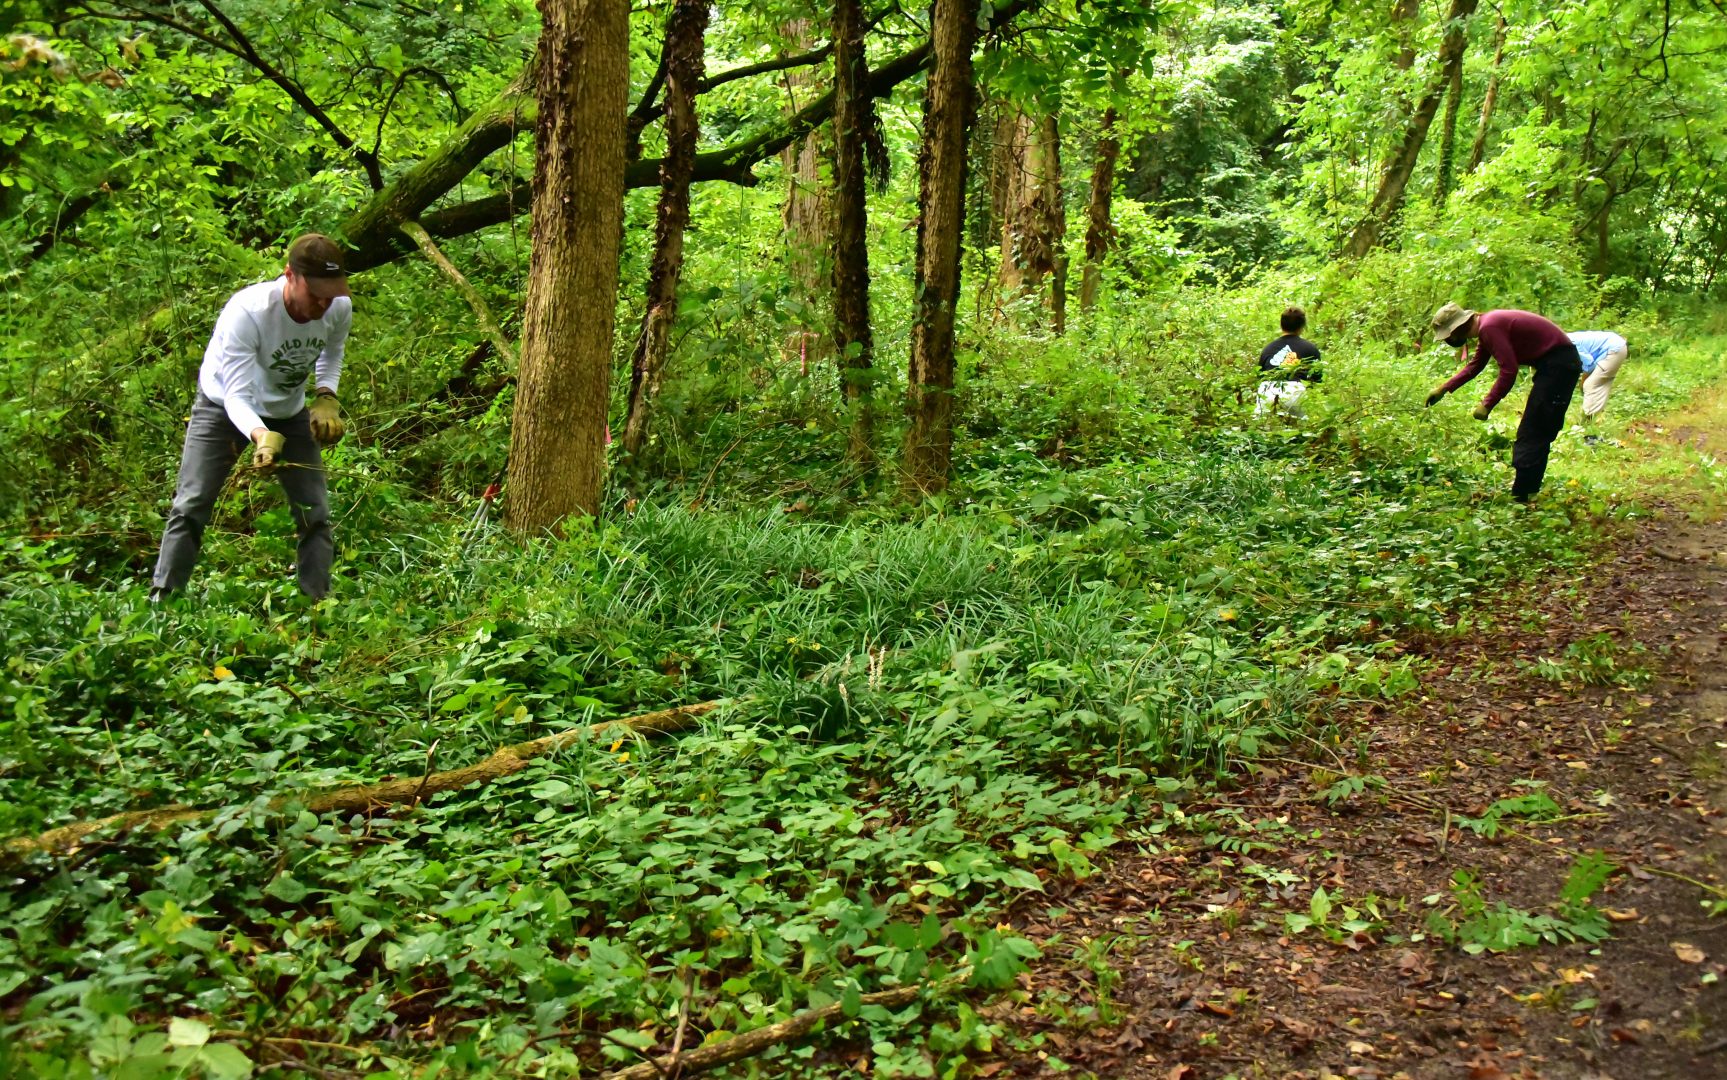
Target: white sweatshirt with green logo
258	359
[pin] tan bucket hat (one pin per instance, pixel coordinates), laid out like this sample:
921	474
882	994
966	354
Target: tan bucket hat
1448	318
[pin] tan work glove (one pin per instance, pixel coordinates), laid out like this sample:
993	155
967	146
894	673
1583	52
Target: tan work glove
1433	398
266	448
327	426
1481	412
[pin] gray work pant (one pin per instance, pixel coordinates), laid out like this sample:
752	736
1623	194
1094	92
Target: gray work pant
213	444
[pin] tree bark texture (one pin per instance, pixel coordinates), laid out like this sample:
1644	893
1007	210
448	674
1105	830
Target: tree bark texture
949	105
686	34
1447	175
1055	206
807	215
1394	181
1489	98
557	437
852	112
1099	226
1033	221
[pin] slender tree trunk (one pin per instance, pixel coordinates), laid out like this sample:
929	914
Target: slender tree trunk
1448	139
1395	179
685	48
1603	256
852	105
1099	227
808	213
1055	207
949	104
557	451
1479	147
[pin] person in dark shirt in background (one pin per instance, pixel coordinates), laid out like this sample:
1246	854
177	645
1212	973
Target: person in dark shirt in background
1515	339
1290	363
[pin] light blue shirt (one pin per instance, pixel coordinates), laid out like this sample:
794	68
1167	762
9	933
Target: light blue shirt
1592	345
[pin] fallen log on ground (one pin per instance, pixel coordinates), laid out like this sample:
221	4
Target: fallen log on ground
358	798
754	1042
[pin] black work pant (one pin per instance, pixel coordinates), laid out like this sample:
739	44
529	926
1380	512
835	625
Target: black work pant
1556	375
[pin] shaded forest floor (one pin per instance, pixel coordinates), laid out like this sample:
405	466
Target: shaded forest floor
1185	965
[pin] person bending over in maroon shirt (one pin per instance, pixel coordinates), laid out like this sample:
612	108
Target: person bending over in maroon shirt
1515	339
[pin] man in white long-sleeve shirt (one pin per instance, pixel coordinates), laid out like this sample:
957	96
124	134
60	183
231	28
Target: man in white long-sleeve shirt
252	388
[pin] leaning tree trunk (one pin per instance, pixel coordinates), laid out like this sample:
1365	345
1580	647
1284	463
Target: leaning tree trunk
852	336
1448	139
557	437
1395	179
1099	228
807	215
685	45
1479	147
948	107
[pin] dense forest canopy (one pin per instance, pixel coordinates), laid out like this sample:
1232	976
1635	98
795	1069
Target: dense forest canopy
857	402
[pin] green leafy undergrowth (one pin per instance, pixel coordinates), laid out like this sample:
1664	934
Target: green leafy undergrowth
1474	926
928	717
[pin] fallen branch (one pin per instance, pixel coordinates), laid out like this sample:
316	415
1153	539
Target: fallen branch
754	1042
482	312
359	798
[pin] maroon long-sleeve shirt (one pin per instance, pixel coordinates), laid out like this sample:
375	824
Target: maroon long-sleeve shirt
1514	339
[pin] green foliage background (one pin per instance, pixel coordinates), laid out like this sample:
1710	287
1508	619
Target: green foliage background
936	710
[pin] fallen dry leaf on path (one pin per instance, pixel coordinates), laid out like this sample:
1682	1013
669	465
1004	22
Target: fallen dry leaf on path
1688	953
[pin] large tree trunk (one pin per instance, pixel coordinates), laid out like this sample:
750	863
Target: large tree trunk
1395	179
1479	147
1448	139
1099	228
949	103
685	46
808	215
852	336
1031	227
557	438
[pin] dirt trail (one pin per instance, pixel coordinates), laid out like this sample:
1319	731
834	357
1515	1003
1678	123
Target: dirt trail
1183	966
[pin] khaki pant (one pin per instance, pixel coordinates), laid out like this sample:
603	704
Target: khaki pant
1599	383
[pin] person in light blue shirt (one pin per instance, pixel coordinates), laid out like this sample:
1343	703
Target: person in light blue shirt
1602	351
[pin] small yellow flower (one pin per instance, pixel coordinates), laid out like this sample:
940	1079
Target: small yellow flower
219	673
617	743
1227	614
624	758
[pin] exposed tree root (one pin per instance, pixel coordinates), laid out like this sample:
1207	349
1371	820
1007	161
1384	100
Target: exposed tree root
358	798
754	1042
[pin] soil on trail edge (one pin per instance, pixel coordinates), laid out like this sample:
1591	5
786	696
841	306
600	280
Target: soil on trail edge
1184	965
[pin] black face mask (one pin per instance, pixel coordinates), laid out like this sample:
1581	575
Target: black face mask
1457	340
